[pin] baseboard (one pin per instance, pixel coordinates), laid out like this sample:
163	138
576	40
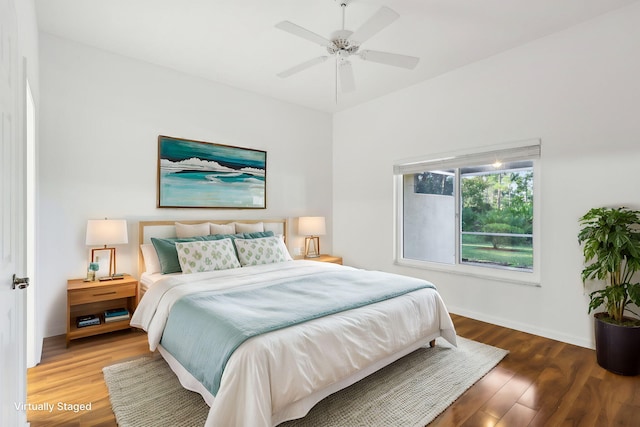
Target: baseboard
54	331
507	323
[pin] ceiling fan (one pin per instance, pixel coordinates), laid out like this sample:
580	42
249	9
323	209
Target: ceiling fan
344	43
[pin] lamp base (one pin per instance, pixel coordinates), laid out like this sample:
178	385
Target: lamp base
311	247
112	262
112	277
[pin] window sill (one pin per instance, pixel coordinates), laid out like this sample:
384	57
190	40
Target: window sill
507	276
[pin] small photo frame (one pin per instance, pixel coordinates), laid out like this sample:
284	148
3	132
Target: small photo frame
103	258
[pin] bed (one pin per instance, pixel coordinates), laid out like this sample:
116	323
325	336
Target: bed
307	329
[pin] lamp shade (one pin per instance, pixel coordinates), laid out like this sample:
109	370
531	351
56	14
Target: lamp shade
107	232
312	226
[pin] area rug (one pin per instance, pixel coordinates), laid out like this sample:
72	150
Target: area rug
410	392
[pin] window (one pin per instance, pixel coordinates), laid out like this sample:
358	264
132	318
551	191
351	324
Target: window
470	212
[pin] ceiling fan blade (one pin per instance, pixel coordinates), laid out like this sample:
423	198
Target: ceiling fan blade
347	81
297	30
403	61
383	17
303	66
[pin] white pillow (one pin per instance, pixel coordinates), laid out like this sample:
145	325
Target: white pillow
191	230
206	255
249	228
264	250
222	228
150	257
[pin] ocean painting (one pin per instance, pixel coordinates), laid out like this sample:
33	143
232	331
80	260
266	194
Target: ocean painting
196	174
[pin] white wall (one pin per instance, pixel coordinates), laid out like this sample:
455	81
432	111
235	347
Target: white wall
101	116
578	91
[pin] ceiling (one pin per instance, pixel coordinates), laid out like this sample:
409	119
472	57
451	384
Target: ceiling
235	42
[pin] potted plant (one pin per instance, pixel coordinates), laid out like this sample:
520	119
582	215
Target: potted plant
611	250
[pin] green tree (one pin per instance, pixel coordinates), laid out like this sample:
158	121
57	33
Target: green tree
434	183
504	198
500	241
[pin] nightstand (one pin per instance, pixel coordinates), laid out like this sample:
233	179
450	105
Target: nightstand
326	258
84	298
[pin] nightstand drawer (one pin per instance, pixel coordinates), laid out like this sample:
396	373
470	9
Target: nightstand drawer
102	293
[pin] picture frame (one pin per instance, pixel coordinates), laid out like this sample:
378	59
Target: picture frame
199	174
104	258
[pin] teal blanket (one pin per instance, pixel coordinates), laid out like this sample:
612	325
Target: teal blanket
204	329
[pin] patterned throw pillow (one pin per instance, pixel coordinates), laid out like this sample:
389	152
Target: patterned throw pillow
210	255
265	250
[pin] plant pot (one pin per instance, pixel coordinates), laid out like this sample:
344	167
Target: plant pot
617	347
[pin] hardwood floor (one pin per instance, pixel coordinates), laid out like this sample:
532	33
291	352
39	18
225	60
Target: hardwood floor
540	383
74	376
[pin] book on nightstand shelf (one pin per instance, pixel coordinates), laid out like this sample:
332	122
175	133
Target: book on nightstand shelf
116	315
116	318
89	320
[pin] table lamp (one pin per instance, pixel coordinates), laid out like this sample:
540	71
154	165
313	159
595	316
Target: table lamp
107	232
312	227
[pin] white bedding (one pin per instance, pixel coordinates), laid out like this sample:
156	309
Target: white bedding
282	374
149	279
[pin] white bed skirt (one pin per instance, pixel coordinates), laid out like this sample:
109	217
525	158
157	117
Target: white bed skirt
300	408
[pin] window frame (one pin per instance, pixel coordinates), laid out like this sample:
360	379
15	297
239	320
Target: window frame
531	278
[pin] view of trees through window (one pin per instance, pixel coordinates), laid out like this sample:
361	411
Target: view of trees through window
496	227
497	215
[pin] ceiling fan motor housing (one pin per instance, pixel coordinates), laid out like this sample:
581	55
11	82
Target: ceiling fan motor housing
340	43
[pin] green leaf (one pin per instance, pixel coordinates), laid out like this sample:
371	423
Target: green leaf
633	289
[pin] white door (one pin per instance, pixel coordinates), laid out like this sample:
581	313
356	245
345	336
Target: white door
12	250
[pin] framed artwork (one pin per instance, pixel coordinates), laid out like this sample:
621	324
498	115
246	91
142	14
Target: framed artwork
197	174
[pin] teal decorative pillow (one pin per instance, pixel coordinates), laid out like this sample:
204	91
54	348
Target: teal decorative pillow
167	255
264	250
205	255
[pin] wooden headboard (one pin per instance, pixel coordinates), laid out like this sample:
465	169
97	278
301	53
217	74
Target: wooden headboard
167	229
